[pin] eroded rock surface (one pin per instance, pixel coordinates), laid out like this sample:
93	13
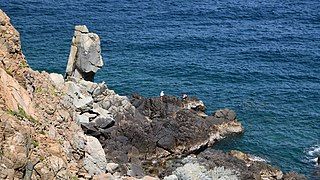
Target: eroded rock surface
13	95
85	55
11	57
143	130
215	164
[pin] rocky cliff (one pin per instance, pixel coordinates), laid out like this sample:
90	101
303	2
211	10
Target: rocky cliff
55	127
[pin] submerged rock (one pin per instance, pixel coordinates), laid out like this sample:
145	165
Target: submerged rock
85	55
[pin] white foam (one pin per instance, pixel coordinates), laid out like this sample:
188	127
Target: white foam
256	158
313	154
314	160
314	151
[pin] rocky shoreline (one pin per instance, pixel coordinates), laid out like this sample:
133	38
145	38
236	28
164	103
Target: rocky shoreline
56	127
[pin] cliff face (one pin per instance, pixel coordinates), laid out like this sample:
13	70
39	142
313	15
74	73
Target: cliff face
51	128
11	57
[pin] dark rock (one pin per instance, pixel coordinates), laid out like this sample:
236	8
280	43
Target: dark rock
103	123
156	128
136	170
89	128
225	114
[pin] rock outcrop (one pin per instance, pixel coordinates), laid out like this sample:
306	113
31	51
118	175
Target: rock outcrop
143	130
85	55
38	137
76	129
215	164
11	57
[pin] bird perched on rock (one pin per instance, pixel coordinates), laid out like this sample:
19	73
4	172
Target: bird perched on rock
184	96
161	95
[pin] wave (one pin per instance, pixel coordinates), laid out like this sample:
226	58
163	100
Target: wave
313	154
257	158
314	151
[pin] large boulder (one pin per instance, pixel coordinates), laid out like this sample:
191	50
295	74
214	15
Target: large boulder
85	55
14	96
95	159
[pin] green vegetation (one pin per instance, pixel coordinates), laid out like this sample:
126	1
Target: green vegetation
42	158
42	132
38	90
23	64
22	115
52	91
9	71
35	143
74	178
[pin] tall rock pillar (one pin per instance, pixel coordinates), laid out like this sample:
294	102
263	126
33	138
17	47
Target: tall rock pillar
85	55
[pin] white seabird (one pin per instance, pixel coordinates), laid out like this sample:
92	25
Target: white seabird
161	94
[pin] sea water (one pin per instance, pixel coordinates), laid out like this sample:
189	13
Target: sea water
259	58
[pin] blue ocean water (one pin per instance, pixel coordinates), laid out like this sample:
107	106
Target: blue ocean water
260	58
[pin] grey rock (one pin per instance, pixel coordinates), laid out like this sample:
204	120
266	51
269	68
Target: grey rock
80	119
192	171
88	86
135	170
57	80
103	122
88	54
73	90
226	114
171	177
99	89
189	159
71	60
220	173
101	111
112	167
81	28
195	171
89	115
78	141
85	55
95	159
83	103
231	115
106	104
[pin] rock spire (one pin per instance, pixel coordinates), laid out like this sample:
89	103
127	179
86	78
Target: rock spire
85	55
